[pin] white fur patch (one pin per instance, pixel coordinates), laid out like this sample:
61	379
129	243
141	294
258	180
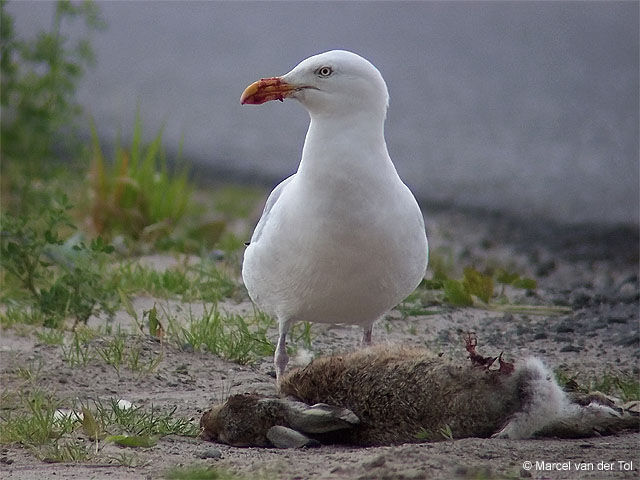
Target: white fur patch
547	402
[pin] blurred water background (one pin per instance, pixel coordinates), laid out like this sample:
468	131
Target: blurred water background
526	108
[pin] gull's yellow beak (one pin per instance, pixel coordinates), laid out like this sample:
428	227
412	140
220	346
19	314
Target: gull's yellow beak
265	90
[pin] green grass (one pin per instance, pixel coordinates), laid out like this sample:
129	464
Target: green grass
129	460
20	314
229	336
35	424
203	281
78	353
30	373
201	472
474	289
301	332
112	351
118	351
30	418
625	386
50	336
140	422
443	433
136	194
136	362
64	451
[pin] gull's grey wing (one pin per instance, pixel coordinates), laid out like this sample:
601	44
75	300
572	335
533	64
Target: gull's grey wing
271	201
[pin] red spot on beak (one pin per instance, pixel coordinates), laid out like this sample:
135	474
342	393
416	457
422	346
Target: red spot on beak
265	90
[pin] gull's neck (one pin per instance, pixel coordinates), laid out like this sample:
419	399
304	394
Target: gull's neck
341	148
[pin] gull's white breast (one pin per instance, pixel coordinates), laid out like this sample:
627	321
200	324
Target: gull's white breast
338	249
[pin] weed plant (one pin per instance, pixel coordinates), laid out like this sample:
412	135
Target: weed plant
38	83
135	194
475	289
59	279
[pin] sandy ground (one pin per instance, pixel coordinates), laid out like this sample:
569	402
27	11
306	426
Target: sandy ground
594	273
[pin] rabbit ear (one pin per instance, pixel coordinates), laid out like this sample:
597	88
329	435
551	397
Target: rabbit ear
319	418
284	437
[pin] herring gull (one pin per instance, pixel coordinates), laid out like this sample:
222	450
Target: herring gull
343	239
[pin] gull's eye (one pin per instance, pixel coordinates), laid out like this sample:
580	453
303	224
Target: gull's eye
324	71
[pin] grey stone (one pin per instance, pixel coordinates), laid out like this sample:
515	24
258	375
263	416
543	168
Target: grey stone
213	452
570	348
580	299
375	463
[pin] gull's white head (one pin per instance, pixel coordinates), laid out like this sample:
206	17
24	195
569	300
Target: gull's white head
336	83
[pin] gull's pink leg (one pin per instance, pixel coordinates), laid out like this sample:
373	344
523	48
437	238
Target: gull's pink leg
281	359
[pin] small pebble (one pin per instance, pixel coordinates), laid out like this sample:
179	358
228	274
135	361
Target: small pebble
217	254
546	268
565	327
616	319
628	293
580	299
570	348
525	473
376	462
629	340
563	339
209	453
